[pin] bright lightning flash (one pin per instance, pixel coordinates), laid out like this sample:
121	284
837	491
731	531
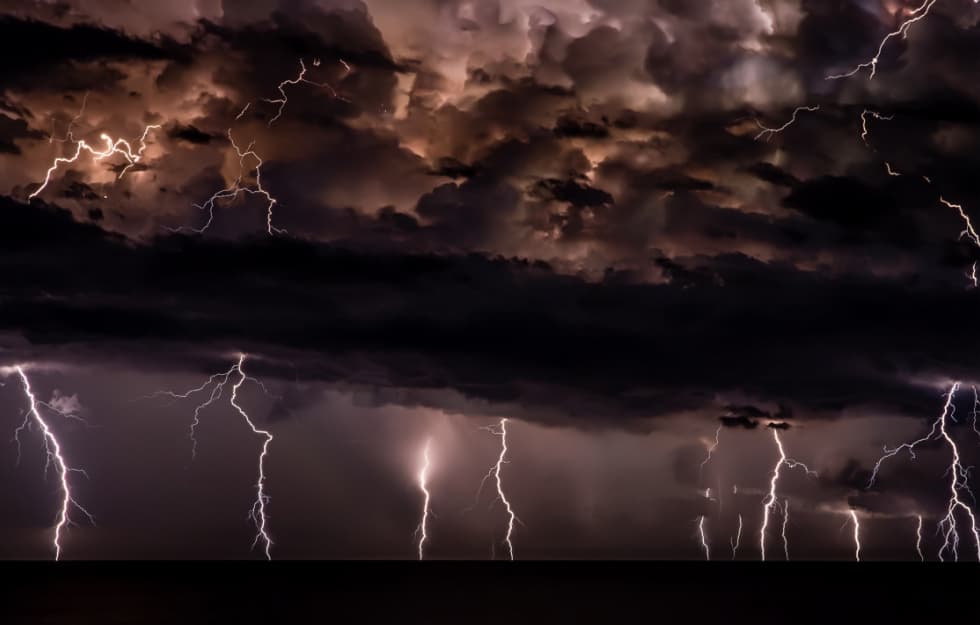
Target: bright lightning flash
704	538
770	501
501	430
54	457
112	147
214	387
902	31
958	475
857	535
423	529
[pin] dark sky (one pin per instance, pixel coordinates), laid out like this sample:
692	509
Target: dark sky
558	212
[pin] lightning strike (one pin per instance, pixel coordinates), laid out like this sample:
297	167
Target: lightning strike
214	387
236	189
770	502
501	430
738	538
112	147
902	31
891	172
54	456
768	132
704	538
857	535
785	525
918	539
423	479
959	476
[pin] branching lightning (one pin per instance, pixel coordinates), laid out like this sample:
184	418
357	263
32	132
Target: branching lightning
959	476
214	387
423	479
902	31
55	457
770	502
500	429
283	99
112	146
236	189
767	132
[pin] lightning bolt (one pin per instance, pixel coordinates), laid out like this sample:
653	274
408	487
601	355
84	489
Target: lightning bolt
501	430
918	538
958	475
864	126
711	449
857	535
767	132
770	501
214	387
236	189
54	456
704	538
112	146
968	230
902	31
283	99
738	537
423	478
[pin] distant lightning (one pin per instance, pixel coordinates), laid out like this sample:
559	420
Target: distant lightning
958	475
112	146
500	429
69	133
236	189
423	479
969	230
864	124
704	538
214	387
768	132
738	538
891	172
918	538
711	449
785	525
902	30
283	99
770	502
54	456
857	535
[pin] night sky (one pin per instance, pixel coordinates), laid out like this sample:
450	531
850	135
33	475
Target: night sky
563	213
